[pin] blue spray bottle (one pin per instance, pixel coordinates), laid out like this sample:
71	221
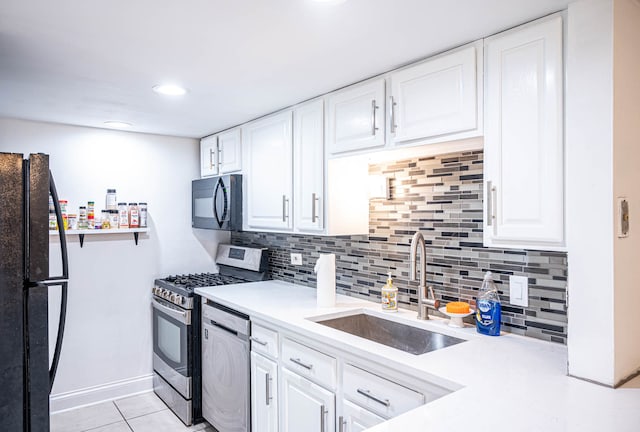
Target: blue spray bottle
489	311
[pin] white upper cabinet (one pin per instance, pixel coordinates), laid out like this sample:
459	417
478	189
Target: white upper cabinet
524	152
436	97
230	151
356	117
267	146
308	167
209	156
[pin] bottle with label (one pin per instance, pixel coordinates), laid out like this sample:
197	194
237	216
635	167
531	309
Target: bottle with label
91	215
489	310
123	215
110	200
134	216
142	207
389	296
82	218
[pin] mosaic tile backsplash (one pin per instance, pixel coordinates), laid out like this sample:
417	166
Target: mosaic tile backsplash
442	197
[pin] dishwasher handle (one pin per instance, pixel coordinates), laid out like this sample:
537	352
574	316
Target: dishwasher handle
229	330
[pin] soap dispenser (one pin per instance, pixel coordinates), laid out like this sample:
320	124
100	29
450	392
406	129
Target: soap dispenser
488	314
389	296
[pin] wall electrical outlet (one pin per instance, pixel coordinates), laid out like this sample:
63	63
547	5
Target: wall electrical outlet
296	258
519	290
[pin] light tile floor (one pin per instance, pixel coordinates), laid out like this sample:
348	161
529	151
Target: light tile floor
141	413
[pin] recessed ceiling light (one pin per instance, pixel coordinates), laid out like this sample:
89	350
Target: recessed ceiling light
330	1
117	124
169	89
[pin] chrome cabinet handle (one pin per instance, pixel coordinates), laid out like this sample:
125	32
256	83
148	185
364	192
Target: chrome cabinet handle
341	424
300	363
268	389
258	341
374	398
491	216
284	208
374	107
314	213
392	115
211	158
322	413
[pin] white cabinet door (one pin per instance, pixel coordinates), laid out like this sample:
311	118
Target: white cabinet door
308	166
356	419
268	171
356	117
209	156
264	394
436	97
230	149
524	163
305	406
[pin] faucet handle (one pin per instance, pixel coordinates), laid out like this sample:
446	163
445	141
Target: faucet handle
436	303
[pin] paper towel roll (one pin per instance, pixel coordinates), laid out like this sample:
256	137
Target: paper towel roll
325	270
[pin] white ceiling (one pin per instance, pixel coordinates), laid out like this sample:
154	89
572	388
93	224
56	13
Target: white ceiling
85	62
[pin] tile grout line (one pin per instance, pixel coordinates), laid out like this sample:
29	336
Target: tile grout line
123	417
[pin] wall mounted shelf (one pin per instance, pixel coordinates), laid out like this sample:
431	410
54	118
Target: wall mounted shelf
82	233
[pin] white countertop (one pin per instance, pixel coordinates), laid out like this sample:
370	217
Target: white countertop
507	383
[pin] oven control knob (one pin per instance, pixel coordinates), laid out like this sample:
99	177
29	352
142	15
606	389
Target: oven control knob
172	298
166	293
178	299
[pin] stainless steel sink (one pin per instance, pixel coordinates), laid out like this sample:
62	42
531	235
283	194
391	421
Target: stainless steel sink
407	338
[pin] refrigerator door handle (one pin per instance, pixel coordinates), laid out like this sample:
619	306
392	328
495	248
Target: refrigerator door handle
63	238
61	324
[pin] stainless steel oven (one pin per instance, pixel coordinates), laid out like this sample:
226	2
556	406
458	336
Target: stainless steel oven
176	327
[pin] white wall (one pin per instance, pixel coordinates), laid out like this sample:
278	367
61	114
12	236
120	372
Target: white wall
107	348
589	142
626	109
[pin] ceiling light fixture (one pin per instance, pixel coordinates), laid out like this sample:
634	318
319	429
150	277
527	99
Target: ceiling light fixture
117	124
169	89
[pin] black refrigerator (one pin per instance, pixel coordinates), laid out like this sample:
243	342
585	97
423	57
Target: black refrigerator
26	375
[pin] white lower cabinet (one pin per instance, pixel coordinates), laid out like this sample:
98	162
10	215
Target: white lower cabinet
305	406
356	419
264	394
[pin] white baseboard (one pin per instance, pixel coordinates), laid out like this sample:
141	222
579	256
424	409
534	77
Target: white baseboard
101	393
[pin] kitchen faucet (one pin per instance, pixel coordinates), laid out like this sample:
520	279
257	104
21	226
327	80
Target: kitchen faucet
423	297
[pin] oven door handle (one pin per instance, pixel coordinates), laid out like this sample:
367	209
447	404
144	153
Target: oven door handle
183	316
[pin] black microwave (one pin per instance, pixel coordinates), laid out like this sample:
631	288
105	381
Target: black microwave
217	203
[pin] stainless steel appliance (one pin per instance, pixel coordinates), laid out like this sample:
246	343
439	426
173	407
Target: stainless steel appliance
177	324
26	378
225	368
217	203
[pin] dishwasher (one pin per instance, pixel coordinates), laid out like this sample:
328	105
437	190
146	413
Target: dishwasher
225	368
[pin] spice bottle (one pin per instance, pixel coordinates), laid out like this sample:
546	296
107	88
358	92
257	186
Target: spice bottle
110	200
63	210
104	217
72	221
82	217
91	215
113	218
53	222
134	215
123	215
142	207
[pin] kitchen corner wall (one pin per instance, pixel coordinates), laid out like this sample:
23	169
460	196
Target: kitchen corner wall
107	347
442	197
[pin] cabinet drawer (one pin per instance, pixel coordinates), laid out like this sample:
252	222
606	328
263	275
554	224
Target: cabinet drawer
264	340
377	394
309	363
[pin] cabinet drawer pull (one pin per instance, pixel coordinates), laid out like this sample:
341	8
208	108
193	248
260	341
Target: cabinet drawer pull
210	158
322	413
374	107
268	389
258	341
301	363
367	393
285	208
314	213
341	424
491	190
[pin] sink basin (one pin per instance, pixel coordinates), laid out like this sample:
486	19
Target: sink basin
407	338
